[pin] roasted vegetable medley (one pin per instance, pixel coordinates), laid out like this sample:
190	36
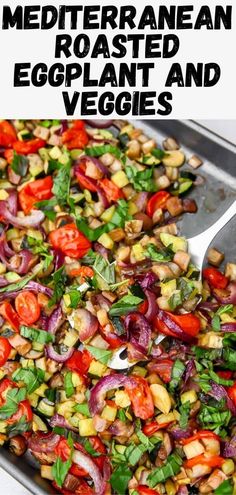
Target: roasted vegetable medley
92	263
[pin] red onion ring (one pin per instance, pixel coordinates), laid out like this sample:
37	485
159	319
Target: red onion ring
99	123
173	326
58	420
26	258
139	331
33	286
87	323
152	305
32	220
59	358
227	296
43	442
85	462
55	320
228	327
98	164
59	259
98	392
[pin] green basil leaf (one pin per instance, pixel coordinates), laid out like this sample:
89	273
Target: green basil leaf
157	254
61	186
17	285
68	385
104	269
225	488
83	409
87	445
20	164
18	428
13	398
141	180
125	305
60	470
36	335
171	468
215	323
47	206
176	374
184	411
159	154
101	150
32	377
101	355
120	478
59	280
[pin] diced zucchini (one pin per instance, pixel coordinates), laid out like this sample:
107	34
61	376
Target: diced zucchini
26	363
108	214
86	428
109	413
41	363
193	449
3	426
41	390
75	154
37	346
168	288
35	234
120	448
75	419
44	154
140	371
71	337
46	408
177	243
12	277
122	399
3	194
38	424
3	268
63	159
76	380
55	153
46	472
138	252
66	409
96	368
120	179
174	158
189	396
106	241
33	398
149	159
132	208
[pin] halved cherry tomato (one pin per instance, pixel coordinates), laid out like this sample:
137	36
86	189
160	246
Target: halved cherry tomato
62	449
97	445
226	375
111	338
77	471
144	490
27	307
84	181
200	434
112	192
70	241
143	307
158	200
76	136
152	427
33	192
10	315
27	147
189	323
213	461
5	384
7	134
231	391
163	368
24	409
215	278
84	272
79	361
84	489
5	349
8	155
141	398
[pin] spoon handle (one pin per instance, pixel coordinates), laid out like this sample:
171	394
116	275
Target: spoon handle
198	245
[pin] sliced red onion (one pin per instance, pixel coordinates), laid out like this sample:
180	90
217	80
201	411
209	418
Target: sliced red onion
119	428
32	220
227	296
55	320
12	201
25	255
152	305
98	392
139	331
164	317
85	462
99	123
208	306
102	198
103	302
99	248
59	358
3	282
64	127
229	448
85	323
37	287
59	259
58	420
141	200
219	392
13	177
43	442
146	280
132	269
98	164
190	370
228	327
179	434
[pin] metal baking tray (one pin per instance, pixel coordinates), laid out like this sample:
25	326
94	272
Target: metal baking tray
213	197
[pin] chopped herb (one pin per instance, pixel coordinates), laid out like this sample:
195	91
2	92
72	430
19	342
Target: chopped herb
101	355
91	234
104	269
90	449
83	409
47	206
184	411
36	335
121	415
68	385
141	180
59	280
21	426
225	488
17	285
176	374
13	398
215	323
159	154
120	478
158	254
60	468
171	467
20	164
101	150
61	185
39	247
125	305
32	377
75	298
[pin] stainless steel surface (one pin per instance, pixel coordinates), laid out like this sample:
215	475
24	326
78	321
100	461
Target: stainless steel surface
213	197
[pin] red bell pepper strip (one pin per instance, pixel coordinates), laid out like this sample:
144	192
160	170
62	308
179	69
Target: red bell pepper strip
141	398
158	200
199	435
33	192
152	427
213	461
27	147
10	315
215	278
70	241
7	134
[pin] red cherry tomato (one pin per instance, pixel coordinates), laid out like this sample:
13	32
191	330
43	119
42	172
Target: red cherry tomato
226	375
76	136
141	398
62	449
231	391
27	147
27	307
33	192
144	490
215	278
5	384
79	361
152	427
190	324
97	445
214	461
70	241
7	134
24	409
158	200
10	315
112	192
163	368
5	349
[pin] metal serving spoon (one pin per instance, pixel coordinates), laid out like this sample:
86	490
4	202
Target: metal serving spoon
198	247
